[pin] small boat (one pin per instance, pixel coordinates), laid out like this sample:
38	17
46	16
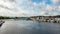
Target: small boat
1	22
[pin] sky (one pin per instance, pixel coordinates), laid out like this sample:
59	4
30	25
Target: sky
23	8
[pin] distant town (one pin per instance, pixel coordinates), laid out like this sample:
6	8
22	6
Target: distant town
55	19
37	18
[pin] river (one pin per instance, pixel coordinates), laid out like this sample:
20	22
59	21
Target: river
29	27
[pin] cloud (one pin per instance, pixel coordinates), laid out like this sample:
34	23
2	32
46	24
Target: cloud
41	8
9	8
55	1
29	8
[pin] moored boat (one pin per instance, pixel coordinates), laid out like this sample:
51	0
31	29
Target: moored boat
1	22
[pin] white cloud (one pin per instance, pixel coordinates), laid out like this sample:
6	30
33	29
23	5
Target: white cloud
28	8
8	8
55	1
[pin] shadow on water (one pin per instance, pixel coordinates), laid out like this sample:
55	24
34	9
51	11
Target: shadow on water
0	25
47	22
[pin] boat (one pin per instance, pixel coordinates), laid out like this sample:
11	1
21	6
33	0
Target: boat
1	22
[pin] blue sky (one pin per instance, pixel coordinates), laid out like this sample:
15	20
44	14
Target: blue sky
37	1
29	7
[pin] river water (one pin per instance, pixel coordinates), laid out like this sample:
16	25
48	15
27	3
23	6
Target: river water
29	27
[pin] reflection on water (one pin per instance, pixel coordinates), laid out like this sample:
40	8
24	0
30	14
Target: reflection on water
29	27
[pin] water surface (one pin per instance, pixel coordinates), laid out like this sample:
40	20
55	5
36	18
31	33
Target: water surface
29	27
